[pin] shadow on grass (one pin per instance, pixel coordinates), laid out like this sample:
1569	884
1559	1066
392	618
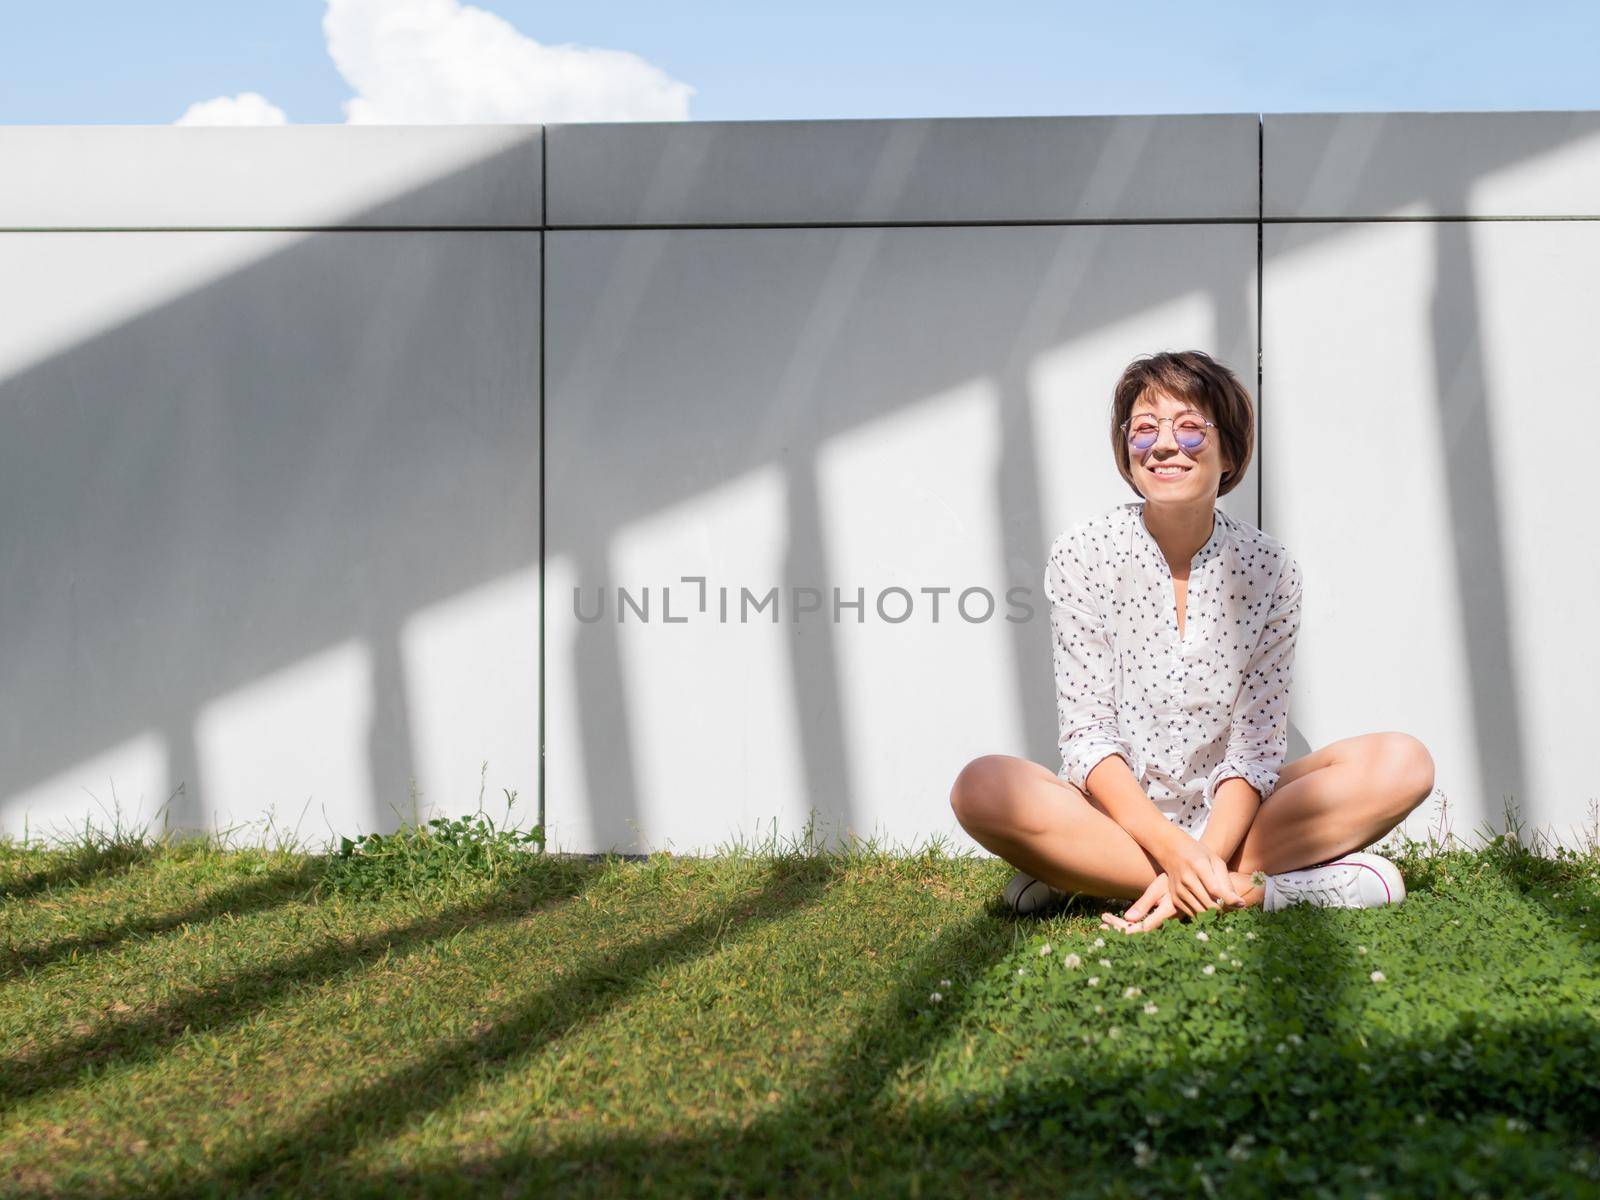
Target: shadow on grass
1571	900
253	896
385	1106
1249	1128
1336	1109
231	1001
84	865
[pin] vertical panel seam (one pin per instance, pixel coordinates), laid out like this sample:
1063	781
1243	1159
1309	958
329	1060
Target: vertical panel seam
544	201
1261	415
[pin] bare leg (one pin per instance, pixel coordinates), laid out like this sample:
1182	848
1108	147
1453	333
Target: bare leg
1340	798
1347	795
1043	825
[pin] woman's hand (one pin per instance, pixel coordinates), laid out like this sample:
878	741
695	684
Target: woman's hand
1197	879
1145	913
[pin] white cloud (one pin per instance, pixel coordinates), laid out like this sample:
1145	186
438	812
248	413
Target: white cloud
441	61
247	108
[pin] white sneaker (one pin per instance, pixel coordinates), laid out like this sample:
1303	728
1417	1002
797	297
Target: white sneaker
1025	894
1349	881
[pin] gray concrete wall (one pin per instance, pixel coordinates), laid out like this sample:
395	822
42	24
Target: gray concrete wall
1428	310
270	476
276	402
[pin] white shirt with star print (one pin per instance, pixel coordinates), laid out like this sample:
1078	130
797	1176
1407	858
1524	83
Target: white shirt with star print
1185	712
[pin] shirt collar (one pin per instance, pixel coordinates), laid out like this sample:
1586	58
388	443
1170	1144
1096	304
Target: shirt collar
1214	544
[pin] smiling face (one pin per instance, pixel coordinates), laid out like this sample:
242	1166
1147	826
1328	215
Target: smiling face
1166	471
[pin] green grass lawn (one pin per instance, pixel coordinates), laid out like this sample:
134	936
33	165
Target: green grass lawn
184	1019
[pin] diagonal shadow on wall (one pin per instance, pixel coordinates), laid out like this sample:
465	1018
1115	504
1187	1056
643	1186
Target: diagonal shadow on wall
307	451
296	456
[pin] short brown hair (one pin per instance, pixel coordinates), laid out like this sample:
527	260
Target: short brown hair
1195	378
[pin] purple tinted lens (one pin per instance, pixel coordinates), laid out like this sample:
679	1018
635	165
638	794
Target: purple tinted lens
1189	435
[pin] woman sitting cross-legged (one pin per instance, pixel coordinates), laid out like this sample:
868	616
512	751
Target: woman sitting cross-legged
1174	630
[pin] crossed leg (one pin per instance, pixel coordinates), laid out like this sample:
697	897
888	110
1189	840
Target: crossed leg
1340	798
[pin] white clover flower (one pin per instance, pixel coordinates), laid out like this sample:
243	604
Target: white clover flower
1378	977
1209	969
944	983
1113	1032
1131	992
1099	941
1094	981
1099	1008
1073	961
1364	1067
1022	970
1282	1049
1361	949
1223	955
1250	934
935	997
1191	1092
1105	962
1045	949
1258	879
1420	1119
1202	936
1294	1039
1153	1119
1143	1156
1236	963
1151	1008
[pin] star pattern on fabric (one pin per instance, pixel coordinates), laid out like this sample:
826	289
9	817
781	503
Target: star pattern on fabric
1184	711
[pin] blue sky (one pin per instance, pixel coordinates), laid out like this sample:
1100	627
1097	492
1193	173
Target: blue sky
440	61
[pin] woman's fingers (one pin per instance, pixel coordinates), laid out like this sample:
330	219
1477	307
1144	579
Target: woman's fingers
1160	913
1174	897
1184	900
1141	907
1221	885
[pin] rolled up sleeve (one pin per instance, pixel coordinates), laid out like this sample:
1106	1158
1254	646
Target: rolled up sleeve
1258	734
1085	668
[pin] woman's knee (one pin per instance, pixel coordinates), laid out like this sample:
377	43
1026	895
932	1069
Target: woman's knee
1405	764
979	795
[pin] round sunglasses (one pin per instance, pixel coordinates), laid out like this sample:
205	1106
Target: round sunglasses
1188	430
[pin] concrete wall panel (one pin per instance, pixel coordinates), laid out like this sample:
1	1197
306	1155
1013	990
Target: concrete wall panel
1419	463
815	409
1110	168
271	534
1344	166
362	176
273	499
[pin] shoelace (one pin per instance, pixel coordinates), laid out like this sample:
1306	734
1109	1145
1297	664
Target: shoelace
1333	886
